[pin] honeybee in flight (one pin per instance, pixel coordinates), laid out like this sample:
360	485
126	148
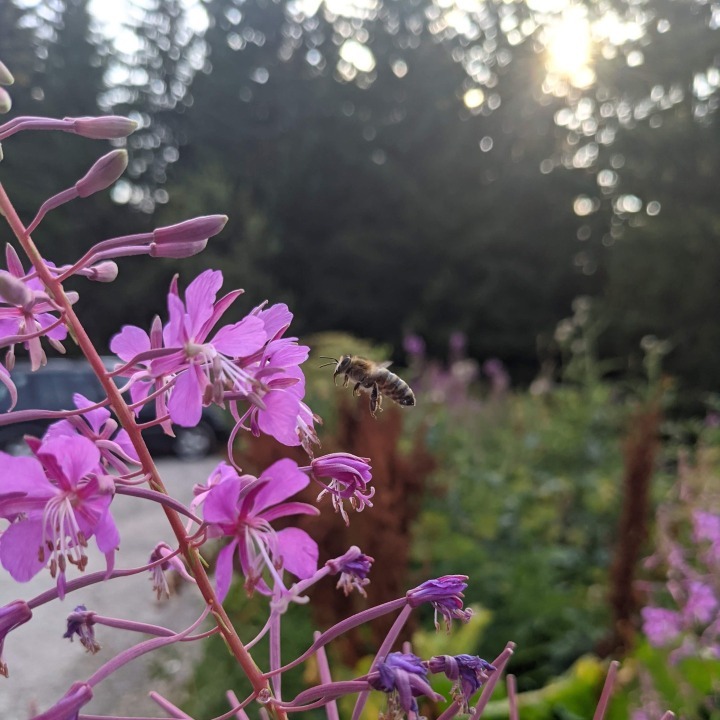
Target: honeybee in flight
373	378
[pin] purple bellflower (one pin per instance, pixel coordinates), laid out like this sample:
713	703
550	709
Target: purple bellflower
243	508
403	677
98	426
55	504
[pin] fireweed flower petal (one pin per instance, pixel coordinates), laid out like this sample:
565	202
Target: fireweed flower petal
224	570
283	479
279	417
469	672
276	318
445	595
19	546
298	552
12	616
403	677
186	402
129	342
241	339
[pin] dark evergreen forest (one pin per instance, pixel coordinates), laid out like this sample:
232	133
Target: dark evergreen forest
397	166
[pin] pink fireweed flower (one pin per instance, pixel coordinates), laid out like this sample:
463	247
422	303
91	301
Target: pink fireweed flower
706	528
349	478
132	342
222	471
661	626
55	504
97	426
202	369
469	673
701	605
12	616
27	309
403	676
445	595
354	568
243	509
173	562
278	408
80	622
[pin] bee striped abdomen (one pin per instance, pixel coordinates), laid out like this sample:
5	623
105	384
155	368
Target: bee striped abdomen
396	389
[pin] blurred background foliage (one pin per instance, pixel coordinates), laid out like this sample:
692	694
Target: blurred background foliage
444	173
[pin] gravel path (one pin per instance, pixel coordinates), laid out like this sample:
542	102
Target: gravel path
43	665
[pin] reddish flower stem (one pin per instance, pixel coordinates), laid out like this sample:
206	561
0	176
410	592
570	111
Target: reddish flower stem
127	420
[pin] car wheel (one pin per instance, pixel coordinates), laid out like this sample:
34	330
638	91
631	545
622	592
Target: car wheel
194	442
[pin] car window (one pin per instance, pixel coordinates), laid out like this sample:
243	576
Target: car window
51	389
21	383
55	390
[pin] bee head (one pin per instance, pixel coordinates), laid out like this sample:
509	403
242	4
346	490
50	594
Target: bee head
343	364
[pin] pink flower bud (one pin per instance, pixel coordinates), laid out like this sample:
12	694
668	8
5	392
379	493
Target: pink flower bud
105	271
190	231
103	173
5	101
177	249
13	290
106	127
6	77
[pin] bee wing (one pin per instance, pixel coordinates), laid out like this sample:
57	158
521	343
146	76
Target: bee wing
385	364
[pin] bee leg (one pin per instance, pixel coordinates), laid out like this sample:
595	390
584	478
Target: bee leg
356	389
346	381
374	400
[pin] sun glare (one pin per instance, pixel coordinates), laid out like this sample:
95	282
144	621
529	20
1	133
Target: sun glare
569	47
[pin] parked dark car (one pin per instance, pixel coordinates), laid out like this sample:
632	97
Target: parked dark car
53	387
